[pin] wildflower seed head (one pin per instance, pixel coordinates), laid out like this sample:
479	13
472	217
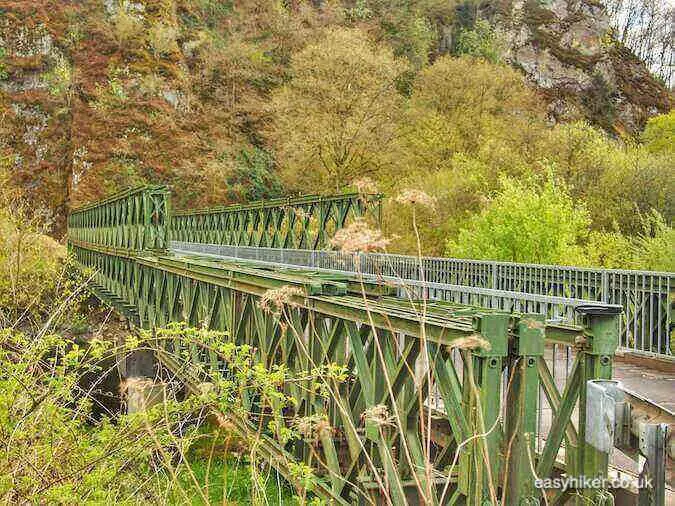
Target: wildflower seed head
471	342
313	427
274	300
378	415
359	237
410	196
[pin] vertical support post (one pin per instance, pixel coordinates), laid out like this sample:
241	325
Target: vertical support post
521	411
482	385
602	329
605	286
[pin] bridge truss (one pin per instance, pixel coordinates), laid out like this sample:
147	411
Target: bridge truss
408	359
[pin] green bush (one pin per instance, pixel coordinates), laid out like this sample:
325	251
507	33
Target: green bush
659	134
32	264
525	222
654	248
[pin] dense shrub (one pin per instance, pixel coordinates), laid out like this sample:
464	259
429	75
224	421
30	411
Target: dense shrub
525	222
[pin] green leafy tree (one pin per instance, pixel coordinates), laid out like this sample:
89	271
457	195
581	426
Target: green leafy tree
655	248
338	114
659	134
525	222
467	123
471	107
619	182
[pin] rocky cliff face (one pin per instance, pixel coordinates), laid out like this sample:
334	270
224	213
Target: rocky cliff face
99	95
35	119
565	47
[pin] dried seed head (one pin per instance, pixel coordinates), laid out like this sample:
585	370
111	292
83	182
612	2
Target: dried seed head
471	342
135	383
358	236
365	185
206	387
273	301
378	415
417	197
313	427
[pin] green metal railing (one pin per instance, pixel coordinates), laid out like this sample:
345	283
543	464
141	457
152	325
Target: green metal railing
647	297
301	222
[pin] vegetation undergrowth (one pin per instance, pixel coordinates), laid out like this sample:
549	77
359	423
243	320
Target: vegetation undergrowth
64	437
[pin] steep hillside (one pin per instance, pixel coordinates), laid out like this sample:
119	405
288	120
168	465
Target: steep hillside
566	48
99	95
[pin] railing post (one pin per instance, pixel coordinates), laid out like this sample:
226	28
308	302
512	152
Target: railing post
482	404
605	287
522	404
602	334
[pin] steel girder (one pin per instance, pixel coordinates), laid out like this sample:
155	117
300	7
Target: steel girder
131	220
397	353
303	222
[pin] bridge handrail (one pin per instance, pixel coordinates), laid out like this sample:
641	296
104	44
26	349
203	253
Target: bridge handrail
135	219
122	194
645	295
293	222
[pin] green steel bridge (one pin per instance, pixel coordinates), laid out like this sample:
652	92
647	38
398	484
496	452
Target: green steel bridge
463	421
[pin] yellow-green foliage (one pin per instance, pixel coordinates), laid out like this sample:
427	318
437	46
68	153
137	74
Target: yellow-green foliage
525	222
466	124
659	134
338	115
618	181
654	249
31	262
467	105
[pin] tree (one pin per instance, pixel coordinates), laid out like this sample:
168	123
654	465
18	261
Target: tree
525	222
654	248
338	114
471	107
659	134
619	182
467	123
646	27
